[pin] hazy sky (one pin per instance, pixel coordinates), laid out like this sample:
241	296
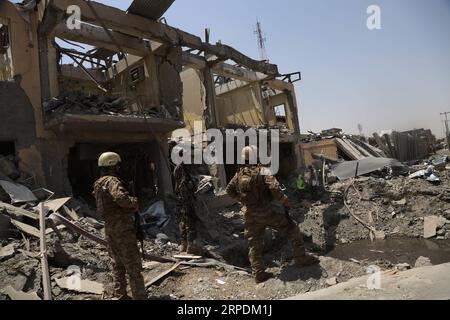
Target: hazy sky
394	78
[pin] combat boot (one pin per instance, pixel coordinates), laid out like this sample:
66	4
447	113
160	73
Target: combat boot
262	276
306	260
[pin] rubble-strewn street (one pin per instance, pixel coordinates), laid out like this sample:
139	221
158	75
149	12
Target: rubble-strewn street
139	160
400	207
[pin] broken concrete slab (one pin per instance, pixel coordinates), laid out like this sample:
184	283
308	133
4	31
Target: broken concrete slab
379	235
78	285
332	281
430	225
422	262
14	294
7	252
349	169
426	283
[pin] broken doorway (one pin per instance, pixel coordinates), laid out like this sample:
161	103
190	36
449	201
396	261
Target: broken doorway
7	148
138	169
287	159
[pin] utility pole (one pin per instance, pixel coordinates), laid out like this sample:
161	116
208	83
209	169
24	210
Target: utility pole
447	133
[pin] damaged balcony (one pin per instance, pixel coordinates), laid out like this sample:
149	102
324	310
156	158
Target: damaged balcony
104	90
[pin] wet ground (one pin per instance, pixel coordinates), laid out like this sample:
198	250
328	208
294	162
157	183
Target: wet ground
396	250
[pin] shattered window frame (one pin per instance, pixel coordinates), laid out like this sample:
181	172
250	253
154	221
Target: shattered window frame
280	116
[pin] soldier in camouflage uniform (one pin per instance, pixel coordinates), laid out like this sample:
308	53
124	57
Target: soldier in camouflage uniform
259	193
117	207
185	191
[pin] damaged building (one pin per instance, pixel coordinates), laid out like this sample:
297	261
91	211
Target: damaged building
242	98
114	82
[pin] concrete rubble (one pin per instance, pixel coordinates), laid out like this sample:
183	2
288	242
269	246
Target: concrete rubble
326	223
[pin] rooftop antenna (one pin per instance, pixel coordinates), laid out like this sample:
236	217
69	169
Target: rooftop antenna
261	41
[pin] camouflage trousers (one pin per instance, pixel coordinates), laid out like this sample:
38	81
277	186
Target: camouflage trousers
188	221
126	260
256	222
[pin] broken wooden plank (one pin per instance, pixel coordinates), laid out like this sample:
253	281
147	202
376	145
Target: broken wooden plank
44	263
187	257
162	275
55	205
78	285
150	257
77	229
71	213
30	230
18	212
14	294
205	263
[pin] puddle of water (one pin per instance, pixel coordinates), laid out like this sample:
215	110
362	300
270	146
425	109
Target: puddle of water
402	250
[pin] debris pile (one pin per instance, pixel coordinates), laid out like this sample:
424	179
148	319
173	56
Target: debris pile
402	146
372	206
12	176
353	210
77	102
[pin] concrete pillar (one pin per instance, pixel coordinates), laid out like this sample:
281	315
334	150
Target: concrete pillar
292	100
163	168
211	121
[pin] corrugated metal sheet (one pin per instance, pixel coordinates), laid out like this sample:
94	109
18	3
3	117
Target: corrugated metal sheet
152	9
